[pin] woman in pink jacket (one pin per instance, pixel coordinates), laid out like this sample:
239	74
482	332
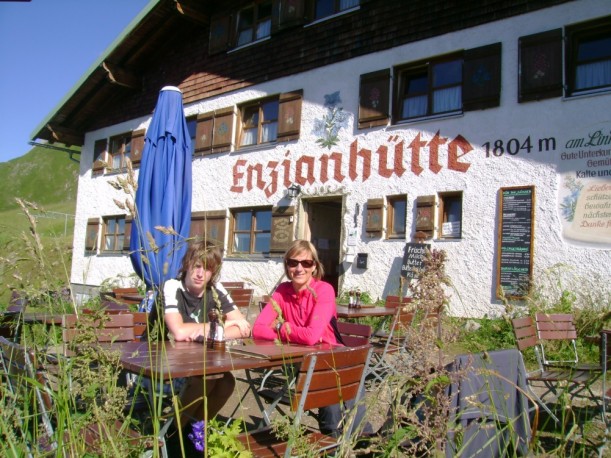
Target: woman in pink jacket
302	311
307	303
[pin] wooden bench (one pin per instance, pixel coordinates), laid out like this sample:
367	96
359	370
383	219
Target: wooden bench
112	328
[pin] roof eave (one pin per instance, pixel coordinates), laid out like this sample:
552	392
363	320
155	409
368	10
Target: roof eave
44	125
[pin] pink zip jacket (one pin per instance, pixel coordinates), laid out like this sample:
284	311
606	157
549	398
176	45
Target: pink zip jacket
308	313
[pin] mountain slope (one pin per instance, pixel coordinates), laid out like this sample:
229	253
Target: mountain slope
48	179
44	176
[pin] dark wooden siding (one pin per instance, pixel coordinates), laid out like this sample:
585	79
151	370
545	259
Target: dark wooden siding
169	50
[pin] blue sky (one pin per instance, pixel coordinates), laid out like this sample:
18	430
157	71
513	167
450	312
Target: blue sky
46	46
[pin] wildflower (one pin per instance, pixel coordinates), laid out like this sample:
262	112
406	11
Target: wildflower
198	436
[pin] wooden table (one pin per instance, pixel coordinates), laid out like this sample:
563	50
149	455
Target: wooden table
163	360
344	312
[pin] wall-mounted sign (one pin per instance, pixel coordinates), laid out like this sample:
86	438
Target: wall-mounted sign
515	241
413	259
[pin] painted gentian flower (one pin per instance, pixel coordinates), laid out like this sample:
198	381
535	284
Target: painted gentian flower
198	436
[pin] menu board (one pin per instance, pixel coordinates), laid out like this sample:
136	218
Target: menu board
413	259
515	241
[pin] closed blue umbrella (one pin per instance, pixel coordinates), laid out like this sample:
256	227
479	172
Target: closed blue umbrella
163	197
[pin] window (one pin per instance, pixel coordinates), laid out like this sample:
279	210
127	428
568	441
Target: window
254	23
114	233
470	80
397	208
251	231
324	8
589	56
120	150
259	123
430	88
450	215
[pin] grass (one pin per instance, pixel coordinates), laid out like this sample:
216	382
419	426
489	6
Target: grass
19	267
48	178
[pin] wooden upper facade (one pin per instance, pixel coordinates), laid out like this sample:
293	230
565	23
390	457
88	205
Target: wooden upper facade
192	44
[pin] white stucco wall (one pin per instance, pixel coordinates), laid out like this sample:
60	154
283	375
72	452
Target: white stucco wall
472	259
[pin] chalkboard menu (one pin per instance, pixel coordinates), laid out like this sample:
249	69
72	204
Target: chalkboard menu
515	241
413	259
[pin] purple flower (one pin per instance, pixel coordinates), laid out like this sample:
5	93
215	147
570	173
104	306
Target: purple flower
198	436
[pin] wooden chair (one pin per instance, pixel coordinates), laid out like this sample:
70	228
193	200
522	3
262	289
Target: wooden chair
394	340
551	379
324	378
354	334
263	301
393	302
242	297
560	328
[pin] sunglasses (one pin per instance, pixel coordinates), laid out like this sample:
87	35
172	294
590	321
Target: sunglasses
307	263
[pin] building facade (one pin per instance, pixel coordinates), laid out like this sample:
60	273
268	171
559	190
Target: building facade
483	130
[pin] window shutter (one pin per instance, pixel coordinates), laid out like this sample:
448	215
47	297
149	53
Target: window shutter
287	14
91	235
198	225
482	77
137	147
374	95
220	32
540	62
374	224
100	157
282	229
128	233
203	133
425	215
222	136
209	225
289	116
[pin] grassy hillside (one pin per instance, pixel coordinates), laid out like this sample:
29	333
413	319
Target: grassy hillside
43	176
48	179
